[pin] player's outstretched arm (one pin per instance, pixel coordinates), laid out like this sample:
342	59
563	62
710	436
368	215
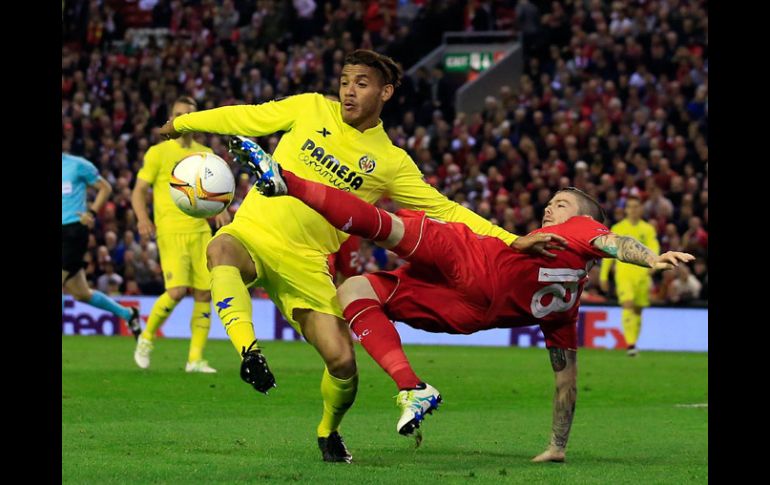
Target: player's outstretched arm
629	250
409	190
249	120
564	364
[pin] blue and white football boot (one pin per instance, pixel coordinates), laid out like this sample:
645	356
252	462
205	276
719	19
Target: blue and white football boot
415	404
251	156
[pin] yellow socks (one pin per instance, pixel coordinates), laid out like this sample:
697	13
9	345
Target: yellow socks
162	308
233	304
200	323
338	396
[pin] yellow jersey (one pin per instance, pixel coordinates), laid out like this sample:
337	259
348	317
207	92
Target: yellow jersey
643	232
156	171
319	146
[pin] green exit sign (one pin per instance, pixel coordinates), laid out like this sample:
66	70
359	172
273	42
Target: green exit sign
463	62
456	62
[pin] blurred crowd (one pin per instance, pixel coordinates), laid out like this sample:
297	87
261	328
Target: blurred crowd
613	100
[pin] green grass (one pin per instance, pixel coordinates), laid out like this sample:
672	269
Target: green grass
124	425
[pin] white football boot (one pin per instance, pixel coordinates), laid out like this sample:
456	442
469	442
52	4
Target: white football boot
200	366
415	404
142	353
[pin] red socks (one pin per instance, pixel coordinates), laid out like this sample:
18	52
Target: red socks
367	319
344	211
380	339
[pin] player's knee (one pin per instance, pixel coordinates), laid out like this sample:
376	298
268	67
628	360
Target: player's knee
354	289
396	233
201	295
225	250
342	365
216	253
177	293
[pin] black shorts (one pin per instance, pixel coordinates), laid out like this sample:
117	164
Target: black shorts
74	243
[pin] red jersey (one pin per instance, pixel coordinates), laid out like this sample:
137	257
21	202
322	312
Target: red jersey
459	282
529	290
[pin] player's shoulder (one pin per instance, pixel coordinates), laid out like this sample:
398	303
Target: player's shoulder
168	152
564	228
326	106
392	158
159	147
326	99
165	147
647	225
200	147
308	99
381	149
70	158
398	153
381	142
586	221
580	228
618	226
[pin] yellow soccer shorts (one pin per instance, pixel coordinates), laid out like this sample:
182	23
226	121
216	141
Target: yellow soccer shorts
294	277
636	289
183	259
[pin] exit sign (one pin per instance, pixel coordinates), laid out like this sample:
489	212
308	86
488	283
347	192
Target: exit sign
469	61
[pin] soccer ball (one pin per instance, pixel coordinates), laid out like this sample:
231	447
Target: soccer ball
202	185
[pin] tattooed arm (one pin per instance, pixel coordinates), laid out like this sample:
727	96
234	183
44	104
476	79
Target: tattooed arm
629	250
564	363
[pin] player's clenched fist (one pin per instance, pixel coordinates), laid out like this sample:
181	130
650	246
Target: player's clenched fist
146	228
168	132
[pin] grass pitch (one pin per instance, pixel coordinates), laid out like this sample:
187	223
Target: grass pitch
121	424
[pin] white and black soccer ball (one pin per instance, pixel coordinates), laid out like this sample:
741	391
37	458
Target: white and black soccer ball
202	185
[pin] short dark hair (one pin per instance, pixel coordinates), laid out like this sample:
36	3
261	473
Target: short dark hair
635	197
587	205
390	71
186	100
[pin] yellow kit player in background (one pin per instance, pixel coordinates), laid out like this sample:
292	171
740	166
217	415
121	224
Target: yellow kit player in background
282	245
632	283
182	244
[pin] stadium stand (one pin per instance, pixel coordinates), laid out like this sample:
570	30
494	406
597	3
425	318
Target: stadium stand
613	100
